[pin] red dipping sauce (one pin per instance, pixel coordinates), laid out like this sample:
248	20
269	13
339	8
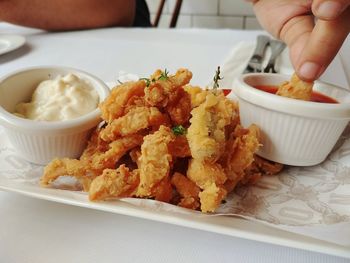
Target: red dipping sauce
315	96
226	91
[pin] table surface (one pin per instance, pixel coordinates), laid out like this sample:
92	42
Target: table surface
33	230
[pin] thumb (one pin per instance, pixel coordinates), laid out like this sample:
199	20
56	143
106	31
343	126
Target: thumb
324	43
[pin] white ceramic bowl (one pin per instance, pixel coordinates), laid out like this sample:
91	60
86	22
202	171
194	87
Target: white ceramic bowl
293	132
41	141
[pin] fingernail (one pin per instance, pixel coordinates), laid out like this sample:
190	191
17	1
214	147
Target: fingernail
329	9
309	71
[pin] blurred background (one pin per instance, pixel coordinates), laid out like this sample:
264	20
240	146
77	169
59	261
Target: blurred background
234	14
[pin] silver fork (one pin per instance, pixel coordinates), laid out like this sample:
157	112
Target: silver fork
276	49
254	64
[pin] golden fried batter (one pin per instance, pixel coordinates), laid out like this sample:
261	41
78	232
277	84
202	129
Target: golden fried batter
181	77
206	134
114	183
100	161
66	167
121	96
296	89
239	154
204	173
94	145
155	161
179	107
137	119
259	168
211	178
92	165
267	167
188	191
179	147
135	155
163	191
197	95
160	90
211	197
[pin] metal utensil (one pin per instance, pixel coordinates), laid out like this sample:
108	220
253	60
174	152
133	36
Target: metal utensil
276	49
254	64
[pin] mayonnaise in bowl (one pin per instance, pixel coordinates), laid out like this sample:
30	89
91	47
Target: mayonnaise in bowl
40	141
59	99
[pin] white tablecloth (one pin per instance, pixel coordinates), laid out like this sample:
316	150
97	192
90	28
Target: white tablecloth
33	230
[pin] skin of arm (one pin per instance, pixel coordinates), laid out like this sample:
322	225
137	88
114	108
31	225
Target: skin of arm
57	15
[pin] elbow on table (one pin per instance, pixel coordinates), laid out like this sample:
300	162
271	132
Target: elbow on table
110	18
77	17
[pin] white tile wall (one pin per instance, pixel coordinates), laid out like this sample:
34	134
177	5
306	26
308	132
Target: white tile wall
252	23
235	7
196	7
218	22
153	6
237	14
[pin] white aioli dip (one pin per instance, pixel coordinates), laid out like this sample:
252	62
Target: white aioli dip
59	99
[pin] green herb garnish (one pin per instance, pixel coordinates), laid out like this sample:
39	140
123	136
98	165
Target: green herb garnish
148	81
179	130
217	78
164	75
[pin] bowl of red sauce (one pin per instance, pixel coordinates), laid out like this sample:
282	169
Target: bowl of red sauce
293	132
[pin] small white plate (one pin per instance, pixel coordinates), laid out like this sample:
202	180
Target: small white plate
10	42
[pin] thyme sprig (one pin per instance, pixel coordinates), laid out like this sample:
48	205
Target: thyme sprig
148	81
216	79
163	76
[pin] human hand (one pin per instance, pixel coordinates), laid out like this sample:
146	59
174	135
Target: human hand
313	45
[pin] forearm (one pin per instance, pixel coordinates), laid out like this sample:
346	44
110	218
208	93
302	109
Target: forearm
68	14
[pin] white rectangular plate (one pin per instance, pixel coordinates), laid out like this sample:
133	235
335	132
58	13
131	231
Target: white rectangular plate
26	183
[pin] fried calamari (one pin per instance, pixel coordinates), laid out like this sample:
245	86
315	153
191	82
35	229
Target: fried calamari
91	164
155	160
113	183
164	139
120	98
136	120
296	89
206	134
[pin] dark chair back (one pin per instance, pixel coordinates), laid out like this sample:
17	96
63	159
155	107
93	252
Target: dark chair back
175	14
